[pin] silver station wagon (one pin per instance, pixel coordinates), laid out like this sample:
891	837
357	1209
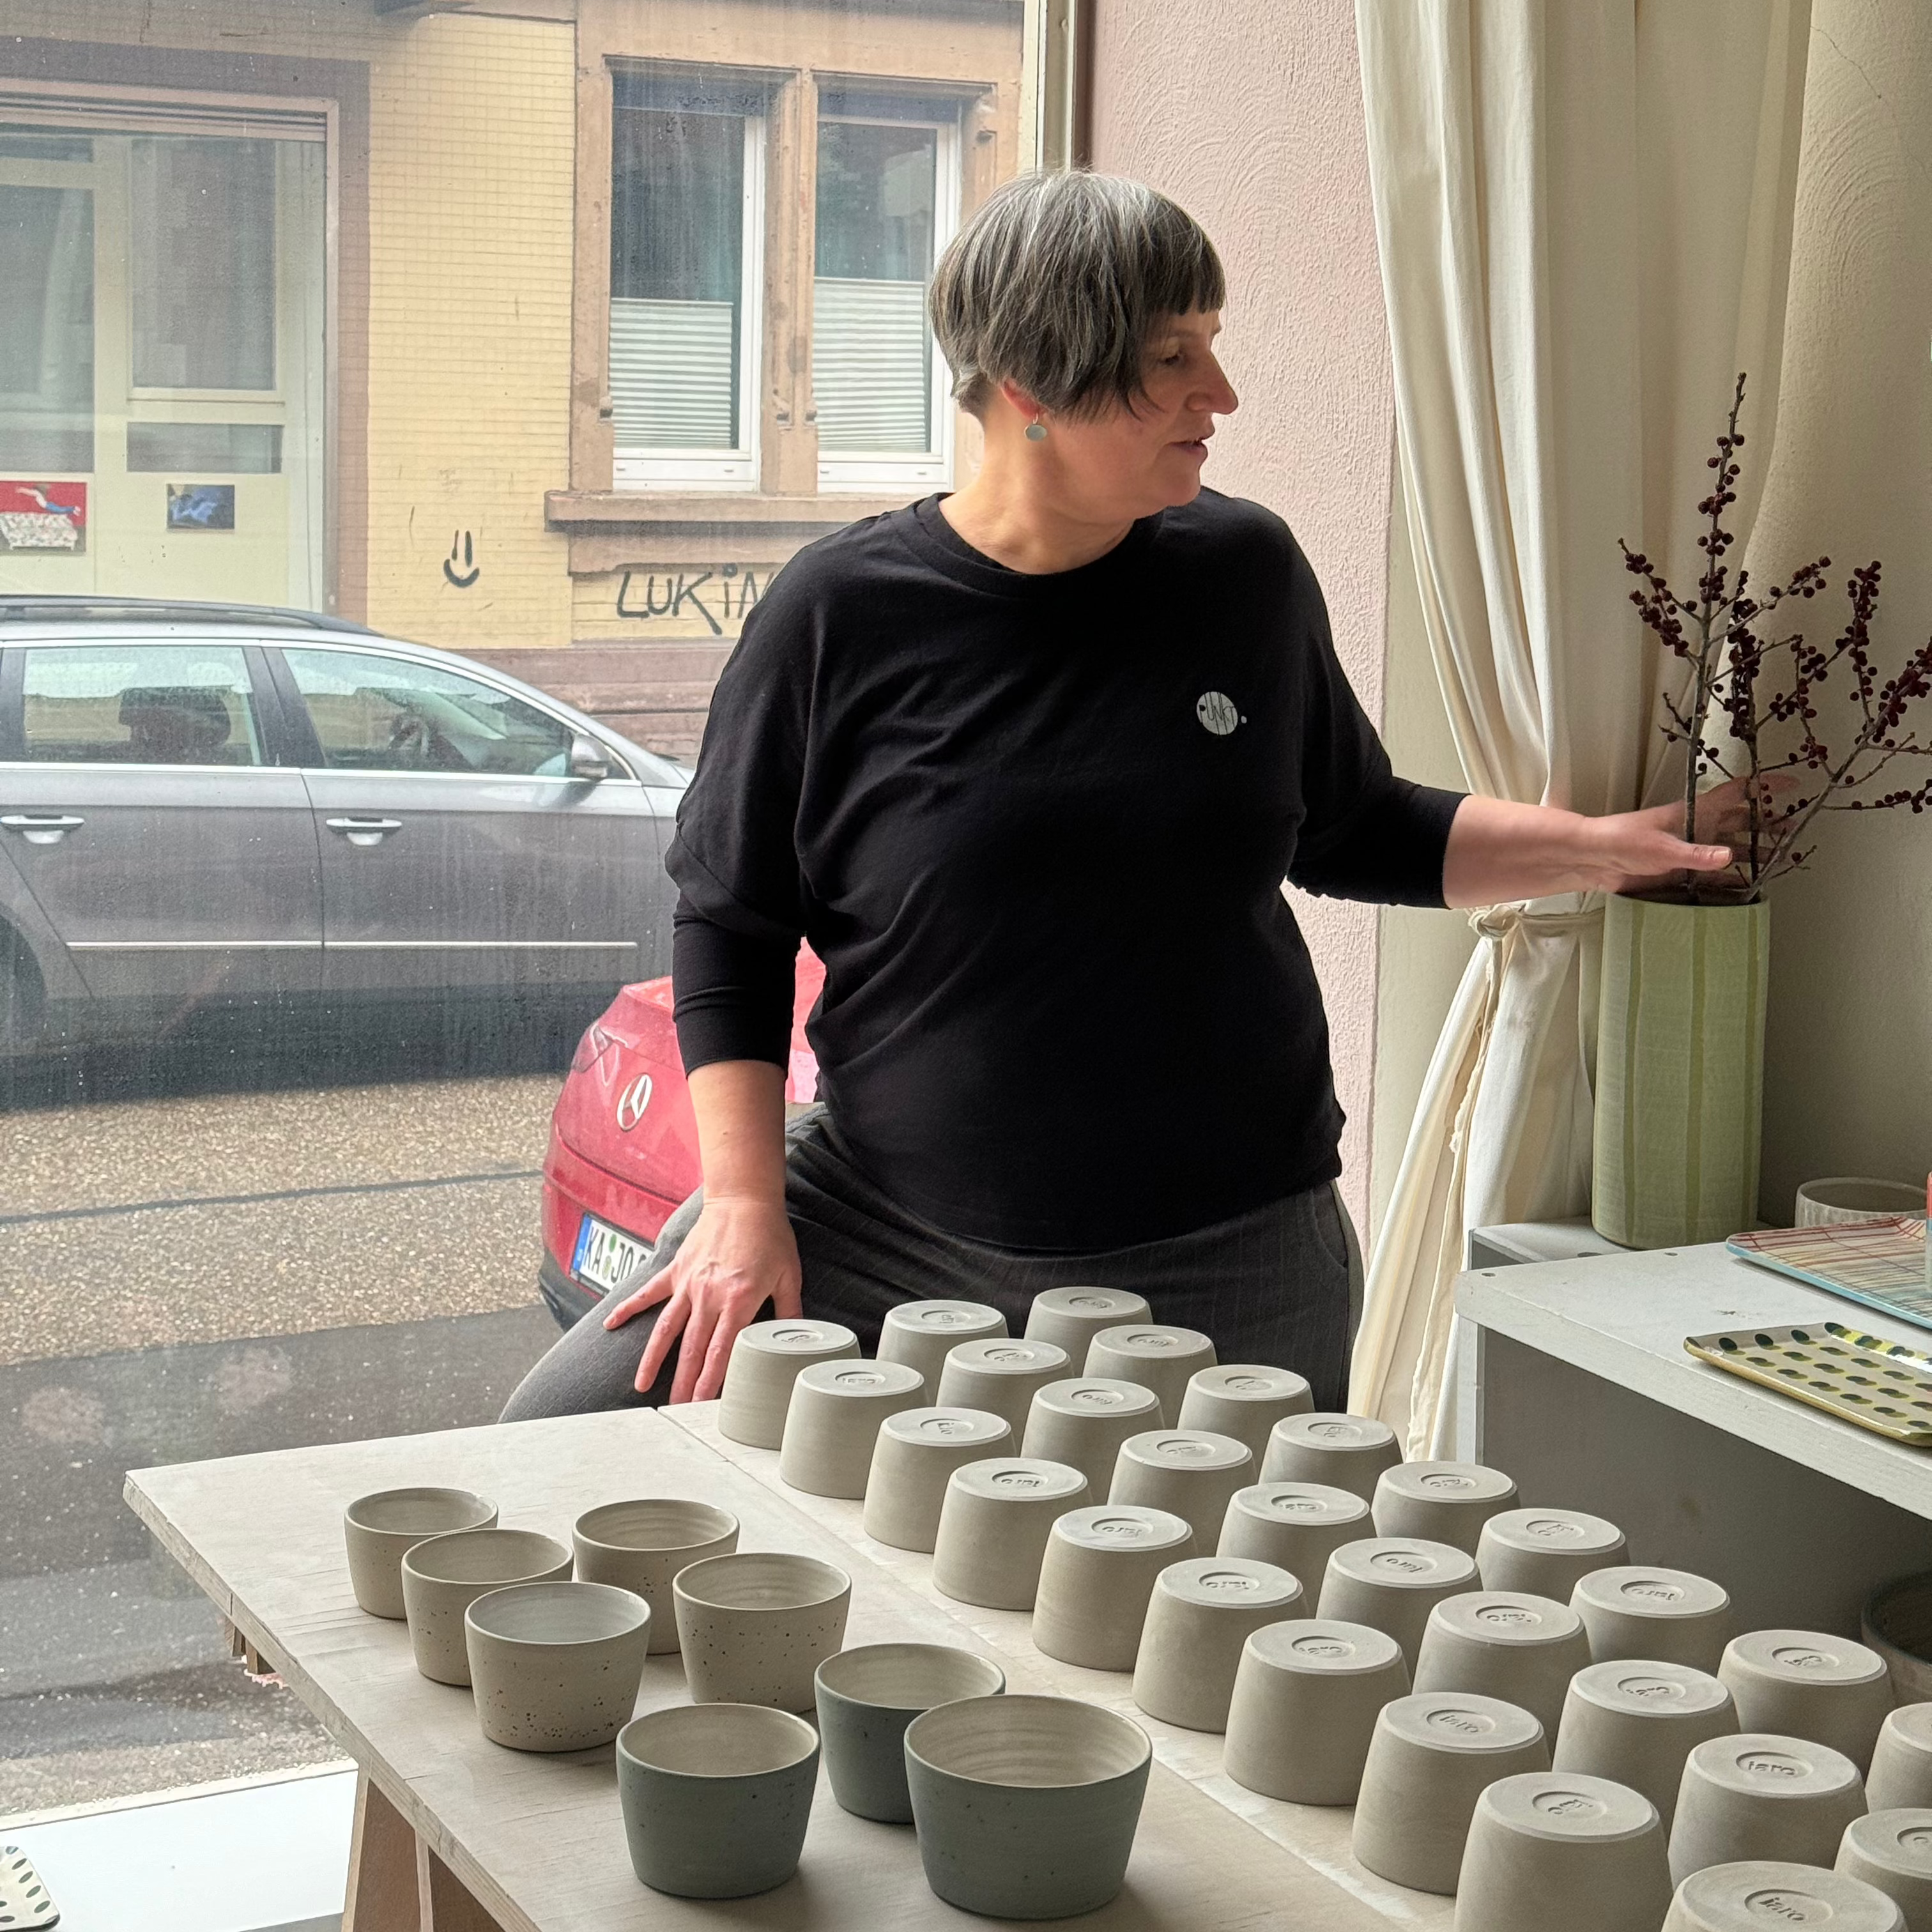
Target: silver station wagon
210	805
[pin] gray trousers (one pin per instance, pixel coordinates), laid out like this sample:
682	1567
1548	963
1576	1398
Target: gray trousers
1280	1285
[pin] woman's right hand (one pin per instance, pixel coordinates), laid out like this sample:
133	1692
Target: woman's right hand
740	1253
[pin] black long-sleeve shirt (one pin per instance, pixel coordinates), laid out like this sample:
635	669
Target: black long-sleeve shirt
1035	826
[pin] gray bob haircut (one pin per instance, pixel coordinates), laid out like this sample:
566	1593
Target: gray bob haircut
1057	282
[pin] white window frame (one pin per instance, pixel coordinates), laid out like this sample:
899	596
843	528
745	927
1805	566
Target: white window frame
716	468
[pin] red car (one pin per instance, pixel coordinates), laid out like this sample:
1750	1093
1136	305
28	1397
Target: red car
623	1141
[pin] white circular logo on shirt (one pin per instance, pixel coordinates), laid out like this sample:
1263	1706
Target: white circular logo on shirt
1216	711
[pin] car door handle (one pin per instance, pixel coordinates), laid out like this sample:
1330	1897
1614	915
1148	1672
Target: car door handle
41	828
363	831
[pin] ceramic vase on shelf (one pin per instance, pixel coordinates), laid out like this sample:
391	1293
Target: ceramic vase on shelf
1680	1071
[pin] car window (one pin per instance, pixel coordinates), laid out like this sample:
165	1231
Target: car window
378	714
139	704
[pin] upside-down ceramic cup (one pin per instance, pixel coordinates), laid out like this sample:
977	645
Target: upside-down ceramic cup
1633	1611
1392	1583
1082	1422
913	1460
640	1544
1096	1577
1161	1358
1297	1526
1026	1807
753	1626
1549	1848
866	1697
1758	1796
1306	1699
1188	1471
444	1575
1432	1755
993	1528
1806	1684
716	1797
766	1360
1245	1400
1204	1608
1892	1851
921	1334
1000	1376
1069	1318
1752	1894
1341	1452
377	1529
1444	1502
1546	1552
1635	1722
1901	1763
556	1667
831	1427
1505	1643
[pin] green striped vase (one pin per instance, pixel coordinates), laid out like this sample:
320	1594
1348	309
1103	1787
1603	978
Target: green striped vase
1680	1072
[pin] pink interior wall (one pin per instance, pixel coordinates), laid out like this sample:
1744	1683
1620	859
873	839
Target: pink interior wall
1249	113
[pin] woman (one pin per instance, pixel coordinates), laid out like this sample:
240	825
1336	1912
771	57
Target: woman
1026	764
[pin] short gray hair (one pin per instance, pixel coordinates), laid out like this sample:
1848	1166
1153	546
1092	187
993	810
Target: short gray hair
1056	284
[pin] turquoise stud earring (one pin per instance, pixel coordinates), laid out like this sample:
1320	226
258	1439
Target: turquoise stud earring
1036	431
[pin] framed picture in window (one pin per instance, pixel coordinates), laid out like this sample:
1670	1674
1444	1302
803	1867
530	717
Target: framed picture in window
201	506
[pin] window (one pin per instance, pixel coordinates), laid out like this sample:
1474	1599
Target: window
47	325
139	705
378	714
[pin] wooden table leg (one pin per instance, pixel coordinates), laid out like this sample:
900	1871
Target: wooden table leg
447	1904
383	1893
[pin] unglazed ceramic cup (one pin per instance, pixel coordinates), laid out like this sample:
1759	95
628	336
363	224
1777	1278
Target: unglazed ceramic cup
1892	1851
1083	1422
1341	1452
1841	1197
921	1334
1431	1755
1752	1895
1245	1400
1546	1552
1162	1359
1550	1848
1306	1696
1187	1472
444	1575
556	1667
1756	1795
1001	1377
1392	1583
378	1528
1096	1577
1069	1318
866	1697
642	1543
1633	1611
831	1425
766	1360
1443	1502
1026	1807
1204	1608
993	1528
1296	1526
913	1460
716	1797
1901	1765
1805	1684
1635	1722
1505	1643
754	1627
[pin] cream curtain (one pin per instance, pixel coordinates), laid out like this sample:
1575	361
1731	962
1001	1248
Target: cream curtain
1584	210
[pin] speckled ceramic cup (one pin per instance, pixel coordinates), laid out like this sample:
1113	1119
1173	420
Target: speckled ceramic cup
1392	1583
1807	1684
1161	1358
556	1667
1069	1318
993	1528
1296	1526
1632	1610
1752	1895
1757	1796
444	1575
1505	1643
1891	1851
1095	1579
1203	1609
831	1427
1901	1765
754	1627
1306	1697
1340	1452
642	1543
1443	1502
921	1334
378	1528
1635	1722
1082	1422
767	1359
1000	1376
913	1459
1545	1552
1245	1400
1187	1472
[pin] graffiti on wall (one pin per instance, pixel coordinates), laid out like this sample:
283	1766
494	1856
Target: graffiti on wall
702	600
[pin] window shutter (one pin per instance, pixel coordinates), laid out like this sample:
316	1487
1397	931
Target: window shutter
870	371
673	382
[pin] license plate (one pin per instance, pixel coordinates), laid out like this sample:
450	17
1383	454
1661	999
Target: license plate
606	1255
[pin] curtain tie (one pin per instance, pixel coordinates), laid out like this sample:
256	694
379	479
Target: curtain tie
1507	923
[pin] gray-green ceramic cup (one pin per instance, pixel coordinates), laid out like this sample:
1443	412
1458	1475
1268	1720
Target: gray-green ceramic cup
379	1528
1026	1807
442	1576
716	1797
641	1545
867	1697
